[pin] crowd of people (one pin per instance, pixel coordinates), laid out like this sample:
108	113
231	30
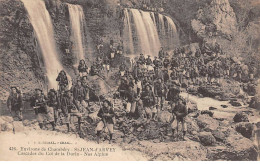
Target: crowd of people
145	88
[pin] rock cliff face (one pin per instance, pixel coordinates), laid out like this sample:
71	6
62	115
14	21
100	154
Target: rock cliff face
216	17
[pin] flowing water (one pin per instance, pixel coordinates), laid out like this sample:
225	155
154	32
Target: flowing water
77	20
145	32
42	25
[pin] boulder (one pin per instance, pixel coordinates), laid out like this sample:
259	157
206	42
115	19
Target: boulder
241	117
210	113
165	117
212	108
207	139
219	136
241	149
207	123
235	103
192	125
192	107
245	128
224	106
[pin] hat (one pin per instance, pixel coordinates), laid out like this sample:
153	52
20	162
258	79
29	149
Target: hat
38	89
13	87
108	102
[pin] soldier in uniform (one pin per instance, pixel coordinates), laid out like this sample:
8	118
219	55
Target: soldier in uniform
80	96
53	102
83	68
161	53
107	115
180	111
160	90
15	103
69	109
62	79
39	103
148	100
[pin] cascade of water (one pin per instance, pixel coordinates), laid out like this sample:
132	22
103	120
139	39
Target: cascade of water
143	39
128	36
173	38
42	25
148	31
151	33
77	30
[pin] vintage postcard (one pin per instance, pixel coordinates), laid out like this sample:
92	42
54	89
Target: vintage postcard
129	80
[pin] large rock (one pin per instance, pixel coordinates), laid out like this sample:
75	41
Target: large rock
207	123
240	149
219	135
207	139
187	150
241	117
245	128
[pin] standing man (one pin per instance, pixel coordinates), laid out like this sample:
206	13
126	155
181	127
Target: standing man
82	68
54	103
180	111
15	104
69	109
80	95
62	79
148	99
107	115
160	90
39	103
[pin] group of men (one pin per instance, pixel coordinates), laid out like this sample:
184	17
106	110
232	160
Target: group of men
145	87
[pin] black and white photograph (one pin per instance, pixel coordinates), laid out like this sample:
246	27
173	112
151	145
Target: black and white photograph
129	80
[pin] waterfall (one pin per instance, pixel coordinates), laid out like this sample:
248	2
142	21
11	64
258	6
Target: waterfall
173	38
128	36
142	35
151	33
42	25
77	30
145	32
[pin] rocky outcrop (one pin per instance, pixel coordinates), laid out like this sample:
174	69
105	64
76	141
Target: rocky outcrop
207	123
241	117
217	17
207	139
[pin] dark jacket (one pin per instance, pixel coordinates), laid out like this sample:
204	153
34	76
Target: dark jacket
39	103
14	101
180	110
104	110
62	79
79	93
148	98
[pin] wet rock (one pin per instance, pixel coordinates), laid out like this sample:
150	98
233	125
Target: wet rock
210	113
235	103
219	136
241	117
192	107
224	106
212	108
165	117
207	123
241	149
207	139
188	150
192	125
244	128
